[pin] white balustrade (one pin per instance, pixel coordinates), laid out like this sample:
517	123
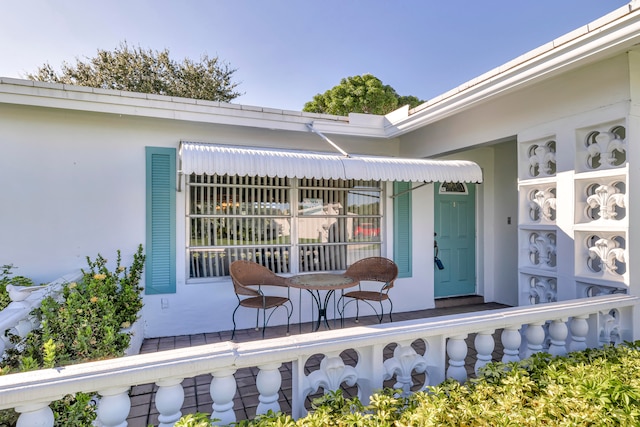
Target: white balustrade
511	340
575	324
558	333
579	330
169	400
535	338
35	415
370	358
404	362
609	327
223	389
457	352
113	408
332	373
268	383
15	319
484	344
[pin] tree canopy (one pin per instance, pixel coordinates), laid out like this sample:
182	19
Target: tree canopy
147	71
359	94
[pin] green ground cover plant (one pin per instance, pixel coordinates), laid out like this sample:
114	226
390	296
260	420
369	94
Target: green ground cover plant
595	387
85	323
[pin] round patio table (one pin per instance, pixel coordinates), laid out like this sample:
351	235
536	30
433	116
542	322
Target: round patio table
316	282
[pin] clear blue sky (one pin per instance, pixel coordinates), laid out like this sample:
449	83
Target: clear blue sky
286	51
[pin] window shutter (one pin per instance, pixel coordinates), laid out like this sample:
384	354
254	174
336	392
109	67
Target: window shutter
402	228
160	272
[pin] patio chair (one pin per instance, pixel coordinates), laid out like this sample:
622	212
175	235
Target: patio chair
248	280
373	269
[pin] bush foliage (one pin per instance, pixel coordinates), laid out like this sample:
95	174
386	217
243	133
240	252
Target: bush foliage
83	324
595	387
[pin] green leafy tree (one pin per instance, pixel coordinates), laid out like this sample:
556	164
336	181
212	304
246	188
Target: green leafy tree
359	94
147	71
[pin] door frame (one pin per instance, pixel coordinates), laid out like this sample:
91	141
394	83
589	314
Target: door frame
462	189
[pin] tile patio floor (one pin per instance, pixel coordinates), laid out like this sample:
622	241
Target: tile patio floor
196	390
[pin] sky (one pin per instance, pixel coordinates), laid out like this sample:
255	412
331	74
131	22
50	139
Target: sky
287	51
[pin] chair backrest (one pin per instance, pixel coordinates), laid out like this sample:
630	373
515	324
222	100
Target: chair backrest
248	273
378	269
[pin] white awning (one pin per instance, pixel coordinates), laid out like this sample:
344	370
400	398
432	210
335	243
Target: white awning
200	158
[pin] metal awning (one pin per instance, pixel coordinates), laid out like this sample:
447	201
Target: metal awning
202	158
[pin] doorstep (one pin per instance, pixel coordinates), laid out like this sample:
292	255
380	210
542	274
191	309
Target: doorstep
459	301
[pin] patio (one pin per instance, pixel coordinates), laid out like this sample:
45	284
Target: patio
197	396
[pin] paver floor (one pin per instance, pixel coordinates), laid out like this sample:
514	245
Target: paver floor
196	390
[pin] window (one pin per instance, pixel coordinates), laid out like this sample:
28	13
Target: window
333	224
453	188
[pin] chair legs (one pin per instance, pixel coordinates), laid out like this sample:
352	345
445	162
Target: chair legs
233	317
341	309
265	318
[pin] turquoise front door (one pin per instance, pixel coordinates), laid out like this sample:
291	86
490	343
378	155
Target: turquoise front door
455	239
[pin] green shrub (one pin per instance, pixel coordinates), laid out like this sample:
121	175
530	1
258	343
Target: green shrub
595	387
84	324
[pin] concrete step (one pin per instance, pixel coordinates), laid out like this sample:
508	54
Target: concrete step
458	301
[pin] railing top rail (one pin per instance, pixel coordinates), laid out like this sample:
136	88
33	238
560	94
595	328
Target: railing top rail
17	311
51	384
256	352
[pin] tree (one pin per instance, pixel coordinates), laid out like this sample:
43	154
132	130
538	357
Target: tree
359	94
147	71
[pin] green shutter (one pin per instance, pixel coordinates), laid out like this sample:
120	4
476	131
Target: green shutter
160	272
402	228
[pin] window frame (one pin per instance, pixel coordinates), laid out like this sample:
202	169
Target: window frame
294	187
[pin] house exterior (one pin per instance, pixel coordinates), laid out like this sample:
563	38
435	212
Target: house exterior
200	184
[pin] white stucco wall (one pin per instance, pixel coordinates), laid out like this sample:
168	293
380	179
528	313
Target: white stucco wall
587	96
75	182
75	187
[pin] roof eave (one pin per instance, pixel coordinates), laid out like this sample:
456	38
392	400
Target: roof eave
612	34
80	98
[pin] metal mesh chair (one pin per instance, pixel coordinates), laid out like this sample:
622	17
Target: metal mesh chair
376	269
248	280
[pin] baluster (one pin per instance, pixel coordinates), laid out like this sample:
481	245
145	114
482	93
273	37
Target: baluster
332	373
22	328
457	352
35	415
535	338
609	327
485	345
268	383
579	331
404	361
114	407
370	376
169	400
222	390
558	333
511	340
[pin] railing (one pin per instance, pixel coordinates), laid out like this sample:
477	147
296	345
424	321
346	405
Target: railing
16	318
554	327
